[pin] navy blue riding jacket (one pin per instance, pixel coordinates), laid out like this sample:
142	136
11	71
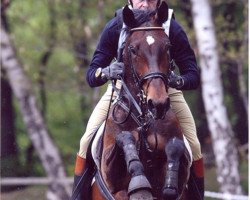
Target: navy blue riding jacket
180	51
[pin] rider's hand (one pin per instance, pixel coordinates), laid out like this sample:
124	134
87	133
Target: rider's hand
175	81
113	71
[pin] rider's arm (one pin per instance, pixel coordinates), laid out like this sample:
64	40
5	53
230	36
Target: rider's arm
184	57
105	52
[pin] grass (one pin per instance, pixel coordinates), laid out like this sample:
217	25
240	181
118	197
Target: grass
210	180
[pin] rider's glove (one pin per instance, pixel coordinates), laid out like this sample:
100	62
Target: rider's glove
113	71
175	81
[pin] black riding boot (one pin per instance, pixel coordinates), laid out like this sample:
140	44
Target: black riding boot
196	181
76	181
79	169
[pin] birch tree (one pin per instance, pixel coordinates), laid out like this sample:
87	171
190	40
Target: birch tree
212	93
36	128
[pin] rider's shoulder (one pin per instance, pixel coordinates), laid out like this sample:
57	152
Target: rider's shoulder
118	13
175	26
119	17
115	22
112	24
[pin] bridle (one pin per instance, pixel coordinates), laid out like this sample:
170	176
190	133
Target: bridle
145	116
139	81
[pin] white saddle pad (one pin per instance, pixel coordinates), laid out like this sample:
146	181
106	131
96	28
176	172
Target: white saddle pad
96	143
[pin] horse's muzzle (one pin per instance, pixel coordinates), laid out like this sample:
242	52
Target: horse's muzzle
159	108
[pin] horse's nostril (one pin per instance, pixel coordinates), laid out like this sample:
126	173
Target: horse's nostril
159	108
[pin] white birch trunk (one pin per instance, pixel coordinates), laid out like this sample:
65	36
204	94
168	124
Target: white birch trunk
212	92
33	120
242	57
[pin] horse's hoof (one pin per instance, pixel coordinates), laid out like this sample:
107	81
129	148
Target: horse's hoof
138	183
170	193
141	195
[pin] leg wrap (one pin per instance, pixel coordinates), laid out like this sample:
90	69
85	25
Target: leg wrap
126	142
174	150
172	175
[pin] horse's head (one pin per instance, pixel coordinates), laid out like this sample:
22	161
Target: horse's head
146	56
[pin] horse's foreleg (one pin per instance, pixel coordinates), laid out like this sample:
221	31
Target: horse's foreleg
174	150
126	141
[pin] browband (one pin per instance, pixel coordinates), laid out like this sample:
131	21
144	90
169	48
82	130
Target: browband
146	29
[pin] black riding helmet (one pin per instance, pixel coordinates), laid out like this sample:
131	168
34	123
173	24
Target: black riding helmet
157	5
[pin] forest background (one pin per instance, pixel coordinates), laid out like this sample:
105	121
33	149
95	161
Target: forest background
54	42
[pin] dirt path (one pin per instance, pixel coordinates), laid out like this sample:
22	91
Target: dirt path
29	193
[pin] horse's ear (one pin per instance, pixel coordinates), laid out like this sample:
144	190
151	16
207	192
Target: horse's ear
128	17
162	13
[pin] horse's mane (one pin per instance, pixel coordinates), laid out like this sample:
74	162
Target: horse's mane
142	16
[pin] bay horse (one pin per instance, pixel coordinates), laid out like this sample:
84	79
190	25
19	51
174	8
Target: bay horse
143	154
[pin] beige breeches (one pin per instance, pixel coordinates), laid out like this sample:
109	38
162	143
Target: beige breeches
179	107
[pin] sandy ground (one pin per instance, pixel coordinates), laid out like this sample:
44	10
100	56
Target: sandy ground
28	193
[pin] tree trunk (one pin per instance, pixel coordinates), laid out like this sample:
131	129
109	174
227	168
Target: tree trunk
8	137
51	42
243	56
240	123
212	91
33	120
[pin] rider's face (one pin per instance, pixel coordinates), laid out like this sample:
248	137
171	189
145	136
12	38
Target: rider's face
144	4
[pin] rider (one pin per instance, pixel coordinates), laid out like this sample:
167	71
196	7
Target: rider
100	70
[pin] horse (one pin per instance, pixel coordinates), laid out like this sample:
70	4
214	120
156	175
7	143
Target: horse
143	152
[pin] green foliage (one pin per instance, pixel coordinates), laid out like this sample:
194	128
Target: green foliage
23	164
29	29
7	167
64	121
244	175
